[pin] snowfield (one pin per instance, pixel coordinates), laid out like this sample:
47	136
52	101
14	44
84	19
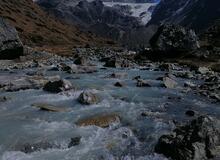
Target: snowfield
139	10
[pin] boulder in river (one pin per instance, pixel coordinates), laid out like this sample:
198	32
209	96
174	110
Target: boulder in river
81	60
10	45
117	63
99	120
88	98
49	107
29	148
74	141
118	84
169	82
200	139
142	83
172	39
3	99
57	86
119	75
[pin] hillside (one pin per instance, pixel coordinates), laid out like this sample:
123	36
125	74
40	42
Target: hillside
196	14
37	29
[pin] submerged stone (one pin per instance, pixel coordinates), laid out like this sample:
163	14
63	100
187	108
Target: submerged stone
49	107
99	120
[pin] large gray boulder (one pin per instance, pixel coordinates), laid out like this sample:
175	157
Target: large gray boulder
198	140
173	39
10	45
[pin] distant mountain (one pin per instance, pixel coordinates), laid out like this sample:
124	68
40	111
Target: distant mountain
196	14
115	22
37	29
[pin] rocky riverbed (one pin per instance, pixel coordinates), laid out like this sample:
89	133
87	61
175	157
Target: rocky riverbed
105	108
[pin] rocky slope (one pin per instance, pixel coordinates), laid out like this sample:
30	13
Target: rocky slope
111	22
196	14
36	28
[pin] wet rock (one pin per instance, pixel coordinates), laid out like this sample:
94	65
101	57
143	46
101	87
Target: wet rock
172	39
49	107
73	68
165	66
29	148
57	86
159	79
81	60
99	120
151	114
190	113
169	83
189	84
3	99
10	45
119	75
187	75
142	83
203	70
117	63
88	98
118	84
197	140
136	78
74	142
113	62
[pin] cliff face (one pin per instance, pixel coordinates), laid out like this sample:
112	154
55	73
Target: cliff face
37	29
196	14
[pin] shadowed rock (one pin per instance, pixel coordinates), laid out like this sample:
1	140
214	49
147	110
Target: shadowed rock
171	40
197	140
58	86
88	98
10	45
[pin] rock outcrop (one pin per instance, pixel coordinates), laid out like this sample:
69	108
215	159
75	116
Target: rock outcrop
10	45
173	39
197	140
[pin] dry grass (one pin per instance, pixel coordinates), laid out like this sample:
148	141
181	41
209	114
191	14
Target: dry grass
38	29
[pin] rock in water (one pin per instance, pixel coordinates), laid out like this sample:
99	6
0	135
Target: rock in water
58	86
88	98
169	83
118	84
49	107
197	140
172	39
142	83
100	120
29	148
74	141
10	45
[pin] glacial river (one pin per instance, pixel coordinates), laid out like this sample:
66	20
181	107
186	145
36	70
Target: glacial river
133	138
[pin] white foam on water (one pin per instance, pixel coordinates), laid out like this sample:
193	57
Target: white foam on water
48	127
14	155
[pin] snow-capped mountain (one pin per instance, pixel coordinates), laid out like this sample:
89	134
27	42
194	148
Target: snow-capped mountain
142	11
196	14
115	20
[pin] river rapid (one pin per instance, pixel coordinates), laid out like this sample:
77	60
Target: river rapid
145	113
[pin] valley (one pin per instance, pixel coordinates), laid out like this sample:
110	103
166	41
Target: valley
109	80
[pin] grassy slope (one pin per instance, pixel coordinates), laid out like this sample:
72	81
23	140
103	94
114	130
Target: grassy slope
39	30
